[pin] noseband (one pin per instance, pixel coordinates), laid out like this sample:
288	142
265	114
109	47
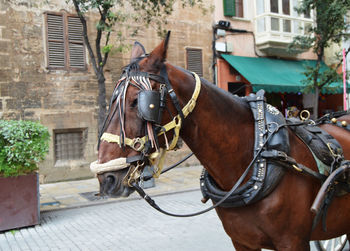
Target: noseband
151	104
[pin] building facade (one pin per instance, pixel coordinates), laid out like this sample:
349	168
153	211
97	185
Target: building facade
251	41
46	76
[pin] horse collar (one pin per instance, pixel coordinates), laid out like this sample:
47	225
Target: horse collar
265	176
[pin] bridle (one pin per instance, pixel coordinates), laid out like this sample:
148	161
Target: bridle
148	100
151	105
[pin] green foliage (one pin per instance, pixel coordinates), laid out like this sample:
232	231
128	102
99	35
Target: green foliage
330	23
23	144
329	28
116	13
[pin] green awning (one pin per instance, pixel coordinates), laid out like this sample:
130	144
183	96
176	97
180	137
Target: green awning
276	75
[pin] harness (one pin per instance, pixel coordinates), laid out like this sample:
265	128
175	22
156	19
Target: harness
272	154
151	104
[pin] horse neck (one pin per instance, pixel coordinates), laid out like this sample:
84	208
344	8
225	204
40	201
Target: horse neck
220	132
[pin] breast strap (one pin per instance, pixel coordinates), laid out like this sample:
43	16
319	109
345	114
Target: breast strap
265	176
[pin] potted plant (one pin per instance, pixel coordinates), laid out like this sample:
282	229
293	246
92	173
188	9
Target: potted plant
23	144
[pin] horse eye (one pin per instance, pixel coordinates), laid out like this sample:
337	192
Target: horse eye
134	103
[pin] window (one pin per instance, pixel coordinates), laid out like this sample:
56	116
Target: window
274	6
260	7
194	61
285	7
69	144
275	24
65	44
233	8
287	25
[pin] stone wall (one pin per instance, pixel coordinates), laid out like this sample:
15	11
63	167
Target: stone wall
63	100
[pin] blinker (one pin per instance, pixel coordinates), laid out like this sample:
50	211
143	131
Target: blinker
148	105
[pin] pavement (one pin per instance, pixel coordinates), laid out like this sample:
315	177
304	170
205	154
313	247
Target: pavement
124	226
81	193
73	218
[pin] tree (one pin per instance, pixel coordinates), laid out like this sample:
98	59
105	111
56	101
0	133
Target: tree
330	26
111	13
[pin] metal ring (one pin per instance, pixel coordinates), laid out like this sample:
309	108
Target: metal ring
304	118
136	141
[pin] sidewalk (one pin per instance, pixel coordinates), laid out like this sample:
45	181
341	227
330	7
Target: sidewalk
81	193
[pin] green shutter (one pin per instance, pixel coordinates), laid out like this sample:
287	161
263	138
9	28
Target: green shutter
230	8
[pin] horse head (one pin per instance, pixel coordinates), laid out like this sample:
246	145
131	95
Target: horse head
134	134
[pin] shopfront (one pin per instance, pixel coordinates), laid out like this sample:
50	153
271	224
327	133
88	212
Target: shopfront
281	79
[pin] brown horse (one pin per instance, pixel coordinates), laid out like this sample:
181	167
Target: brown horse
220	132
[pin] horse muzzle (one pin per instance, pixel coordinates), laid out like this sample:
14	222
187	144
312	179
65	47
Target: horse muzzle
116	176
112	185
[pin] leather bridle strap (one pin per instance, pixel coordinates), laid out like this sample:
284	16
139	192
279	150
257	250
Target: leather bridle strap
171	92
138	144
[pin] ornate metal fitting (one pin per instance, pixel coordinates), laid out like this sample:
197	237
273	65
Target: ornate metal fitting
133	174
271	109
334	120
304	115
151	106
344	123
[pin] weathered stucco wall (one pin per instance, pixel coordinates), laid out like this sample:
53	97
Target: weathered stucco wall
63	100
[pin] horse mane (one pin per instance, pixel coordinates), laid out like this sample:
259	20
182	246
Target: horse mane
225	94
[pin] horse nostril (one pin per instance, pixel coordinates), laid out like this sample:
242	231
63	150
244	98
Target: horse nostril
110	180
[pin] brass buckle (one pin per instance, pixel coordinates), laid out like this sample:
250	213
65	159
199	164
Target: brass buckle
331	150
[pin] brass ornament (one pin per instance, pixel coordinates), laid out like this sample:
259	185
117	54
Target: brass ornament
151	106
297	168
334	120
304	115
344	123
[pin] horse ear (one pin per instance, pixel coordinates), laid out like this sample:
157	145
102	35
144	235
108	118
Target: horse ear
158	55
137	51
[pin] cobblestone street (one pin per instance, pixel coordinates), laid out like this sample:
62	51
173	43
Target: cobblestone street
124	225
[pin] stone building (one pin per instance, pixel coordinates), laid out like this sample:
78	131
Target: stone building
45	74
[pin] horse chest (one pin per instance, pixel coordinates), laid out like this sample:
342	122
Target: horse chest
244	229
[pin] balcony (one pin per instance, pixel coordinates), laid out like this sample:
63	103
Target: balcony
276	23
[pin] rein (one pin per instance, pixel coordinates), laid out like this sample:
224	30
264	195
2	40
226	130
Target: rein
283	160
152	203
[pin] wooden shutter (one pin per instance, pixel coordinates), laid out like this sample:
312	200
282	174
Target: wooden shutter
229	8
55	41
194	61
76	43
